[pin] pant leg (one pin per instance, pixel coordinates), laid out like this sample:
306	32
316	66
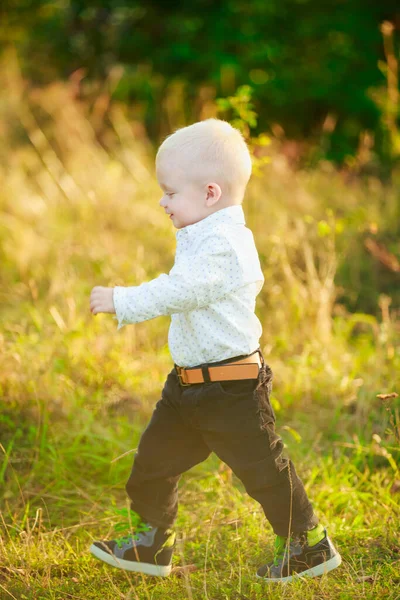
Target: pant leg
168	447
238	424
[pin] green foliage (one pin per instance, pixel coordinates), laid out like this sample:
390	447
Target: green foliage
311	65
75	396
129	521
239	110
244	116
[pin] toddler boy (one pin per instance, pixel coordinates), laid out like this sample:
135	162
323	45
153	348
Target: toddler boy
217	396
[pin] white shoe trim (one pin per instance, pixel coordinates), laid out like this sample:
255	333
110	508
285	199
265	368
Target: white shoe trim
324	567
130	565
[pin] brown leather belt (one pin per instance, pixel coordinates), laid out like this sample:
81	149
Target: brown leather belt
245	368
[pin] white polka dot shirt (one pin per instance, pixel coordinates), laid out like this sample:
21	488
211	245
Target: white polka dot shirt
210	292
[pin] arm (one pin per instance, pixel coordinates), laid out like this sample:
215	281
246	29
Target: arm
195	282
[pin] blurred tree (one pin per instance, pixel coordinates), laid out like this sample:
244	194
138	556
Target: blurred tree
308	62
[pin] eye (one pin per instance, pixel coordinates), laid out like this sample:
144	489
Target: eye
170	193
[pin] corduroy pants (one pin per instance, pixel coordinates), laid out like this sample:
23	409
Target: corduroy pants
235	420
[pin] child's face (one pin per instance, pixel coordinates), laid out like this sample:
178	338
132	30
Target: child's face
185	202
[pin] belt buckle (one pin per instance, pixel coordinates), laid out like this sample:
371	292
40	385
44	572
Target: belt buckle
180	373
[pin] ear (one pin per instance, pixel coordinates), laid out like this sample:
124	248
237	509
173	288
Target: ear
214	193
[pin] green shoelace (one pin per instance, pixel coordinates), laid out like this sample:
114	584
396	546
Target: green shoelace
125	539
314	536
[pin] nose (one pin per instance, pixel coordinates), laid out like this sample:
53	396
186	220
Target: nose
163	202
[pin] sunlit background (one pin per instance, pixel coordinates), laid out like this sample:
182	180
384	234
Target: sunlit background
87	93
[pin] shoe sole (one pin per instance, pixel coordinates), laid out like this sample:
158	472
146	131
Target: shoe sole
129	565
321	569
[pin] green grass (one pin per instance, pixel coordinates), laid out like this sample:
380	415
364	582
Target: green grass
76	394
65	498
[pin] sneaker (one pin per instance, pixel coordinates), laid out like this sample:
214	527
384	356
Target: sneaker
147	552
308	554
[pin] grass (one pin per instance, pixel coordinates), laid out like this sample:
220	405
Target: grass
66	495
75	395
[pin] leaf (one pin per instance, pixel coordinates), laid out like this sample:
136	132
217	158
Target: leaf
263	140
223	104
323	228
295	434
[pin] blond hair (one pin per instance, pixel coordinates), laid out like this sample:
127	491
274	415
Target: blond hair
218	152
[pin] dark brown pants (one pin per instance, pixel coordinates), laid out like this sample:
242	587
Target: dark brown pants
235	420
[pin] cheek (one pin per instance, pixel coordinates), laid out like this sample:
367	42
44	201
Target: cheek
176	203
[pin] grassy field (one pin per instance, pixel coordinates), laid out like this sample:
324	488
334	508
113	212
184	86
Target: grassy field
75	394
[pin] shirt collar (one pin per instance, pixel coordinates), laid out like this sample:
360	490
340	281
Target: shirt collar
228	215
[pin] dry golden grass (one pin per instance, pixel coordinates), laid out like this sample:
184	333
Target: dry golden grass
79	208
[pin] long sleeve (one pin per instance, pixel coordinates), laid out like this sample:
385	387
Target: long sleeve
195	281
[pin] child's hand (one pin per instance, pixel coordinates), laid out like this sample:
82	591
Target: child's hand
101	300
